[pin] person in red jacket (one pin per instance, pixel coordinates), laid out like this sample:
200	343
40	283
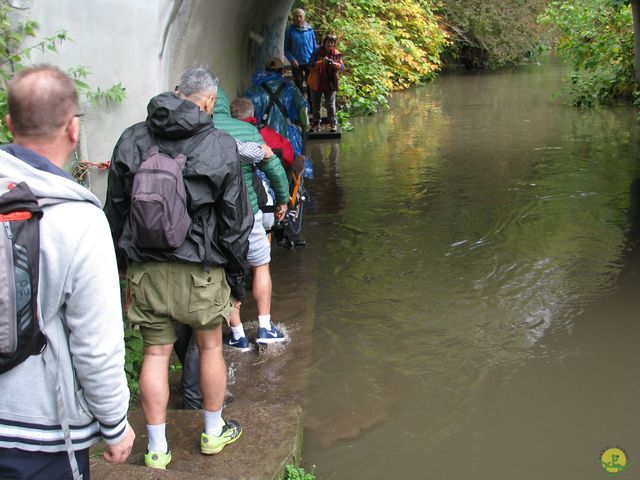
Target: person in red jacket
326	62
242	109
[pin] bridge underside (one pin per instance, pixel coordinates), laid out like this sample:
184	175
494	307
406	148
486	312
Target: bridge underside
145	46
234	37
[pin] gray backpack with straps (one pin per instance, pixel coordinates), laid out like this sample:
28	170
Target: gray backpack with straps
159	216
20	330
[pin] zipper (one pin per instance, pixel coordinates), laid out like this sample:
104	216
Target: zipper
9	324
7	228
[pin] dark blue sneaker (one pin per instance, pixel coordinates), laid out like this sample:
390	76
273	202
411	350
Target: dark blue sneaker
272	335
242	344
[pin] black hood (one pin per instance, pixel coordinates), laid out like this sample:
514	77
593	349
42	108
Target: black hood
169	116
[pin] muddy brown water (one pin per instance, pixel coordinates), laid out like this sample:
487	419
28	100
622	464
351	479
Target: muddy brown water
467	303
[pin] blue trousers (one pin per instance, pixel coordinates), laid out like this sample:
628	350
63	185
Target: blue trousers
22	465
187	351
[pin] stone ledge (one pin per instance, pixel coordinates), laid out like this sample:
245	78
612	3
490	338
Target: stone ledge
271	439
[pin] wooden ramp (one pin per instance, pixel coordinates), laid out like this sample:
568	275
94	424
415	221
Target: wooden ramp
324	133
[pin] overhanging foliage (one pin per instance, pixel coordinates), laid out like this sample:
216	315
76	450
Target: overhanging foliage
387	45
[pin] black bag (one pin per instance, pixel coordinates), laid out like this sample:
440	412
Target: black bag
21	334
261	193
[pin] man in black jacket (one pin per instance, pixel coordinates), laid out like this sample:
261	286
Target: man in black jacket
192	283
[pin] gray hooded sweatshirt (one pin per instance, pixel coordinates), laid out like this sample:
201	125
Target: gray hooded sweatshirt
79	300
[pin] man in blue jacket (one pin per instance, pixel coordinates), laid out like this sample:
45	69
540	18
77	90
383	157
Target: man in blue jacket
299	44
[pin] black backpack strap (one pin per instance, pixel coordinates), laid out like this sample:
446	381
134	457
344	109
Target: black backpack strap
274	99
51	365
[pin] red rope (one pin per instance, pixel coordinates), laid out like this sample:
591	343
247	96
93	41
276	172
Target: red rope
81	168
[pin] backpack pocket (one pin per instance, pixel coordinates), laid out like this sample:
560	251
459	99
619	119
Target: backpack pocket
148	215
8	311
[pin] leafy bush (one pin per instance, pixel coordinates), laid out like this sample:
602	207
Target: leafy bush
493	33
297	473
596	38
133	357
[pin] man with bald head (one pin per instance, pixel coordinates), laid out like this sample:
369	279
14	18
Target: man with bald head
56	404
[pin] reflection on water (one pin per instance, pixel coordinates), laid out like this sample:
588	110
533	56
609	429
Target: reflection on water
454	233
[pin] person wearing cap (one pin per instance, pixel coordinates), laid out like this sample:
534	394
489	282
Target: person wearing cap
327	64
299	44
278	103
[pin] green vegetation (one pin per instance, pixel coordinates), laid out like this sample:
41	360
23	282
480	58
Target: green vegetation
297	473
395	45
596	38
387	46
492	33
133	357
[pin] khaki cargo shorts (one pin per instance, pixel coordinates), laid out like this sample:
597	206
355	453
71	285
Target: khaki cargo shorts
163	293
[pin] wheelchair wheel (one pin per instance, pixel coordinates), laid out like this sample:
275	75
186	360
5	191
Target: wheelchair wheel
294	220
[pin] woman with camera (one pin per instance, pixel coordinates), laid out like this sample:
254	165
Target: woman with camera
326	63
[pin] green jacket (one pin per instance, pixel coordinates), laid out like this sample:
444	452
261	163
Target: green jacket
246	132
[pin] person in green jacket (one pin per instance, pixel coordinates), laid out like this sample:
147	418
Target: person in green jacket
259	254
259	248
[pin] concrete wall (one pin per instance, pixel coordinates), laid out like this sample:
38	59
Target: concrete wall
146	44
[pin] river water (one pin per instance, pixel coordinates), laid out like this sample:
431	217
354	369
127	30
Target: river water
466	306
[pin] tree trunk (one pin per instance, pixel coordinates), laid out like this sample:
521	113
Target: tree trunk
635	9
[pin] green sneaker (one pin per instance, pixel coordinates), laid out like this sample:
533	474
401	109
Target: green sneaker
157	459
211	444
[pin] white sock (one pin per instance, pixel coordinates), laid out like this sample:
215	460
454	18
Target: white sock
238	332
157	438
265	321
213	422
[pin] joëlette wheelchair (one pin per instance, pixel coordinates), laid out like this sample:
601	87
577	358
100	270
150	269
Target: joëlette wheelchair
287	232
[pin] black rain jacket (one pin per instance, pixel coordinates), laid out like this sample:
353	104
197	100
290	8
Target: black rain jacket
219	206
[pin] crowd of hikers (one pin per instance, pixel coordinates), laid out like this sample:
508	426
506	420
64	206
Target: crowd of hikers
192	193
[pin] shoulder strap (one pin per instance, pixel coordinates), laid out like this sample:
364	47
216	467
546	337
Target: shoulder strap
62	413
274	98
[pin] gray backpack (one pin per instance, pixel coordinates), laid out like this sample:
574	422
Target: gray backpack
159	216
20	329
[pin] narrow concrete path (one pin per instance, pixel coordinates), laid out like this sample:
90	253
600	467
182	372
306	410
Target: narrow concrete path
266	387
